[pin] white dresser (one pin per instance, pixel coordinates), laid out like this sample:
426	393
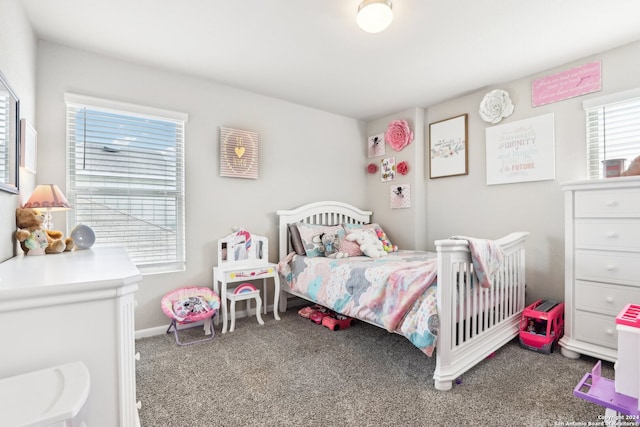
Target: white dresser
602	262
73	306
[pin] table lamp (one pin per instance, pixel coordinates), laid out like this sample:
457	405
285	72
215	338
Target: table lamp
49	197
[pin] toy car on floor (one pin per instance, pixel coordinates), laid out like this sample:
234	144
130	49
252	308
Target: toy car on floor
337	322
542	325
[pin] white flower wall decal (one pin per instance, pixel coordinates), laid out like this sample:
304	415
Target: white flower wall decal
495	106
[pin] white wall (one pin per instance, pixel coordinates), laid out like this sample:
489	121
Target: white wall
18	64
405	227
305	154
466	205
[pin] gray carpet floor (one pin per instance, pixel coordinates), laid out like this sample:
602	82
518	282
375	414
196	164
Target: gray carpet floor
296	373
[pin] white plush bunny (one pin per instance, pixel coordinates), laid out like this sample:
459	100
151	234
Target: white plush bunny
369	243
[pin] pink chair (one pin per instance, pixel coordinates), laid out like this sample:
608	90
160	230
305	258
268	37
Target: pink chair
189	305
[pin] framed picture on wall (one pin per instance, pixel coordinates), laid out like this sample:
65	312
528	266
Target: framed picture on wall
375	145
388	169
400	196
238	153
448	155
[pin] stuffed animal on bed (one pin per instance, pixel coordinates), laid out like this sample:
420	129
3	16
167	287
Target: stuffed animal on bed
331	244
369	243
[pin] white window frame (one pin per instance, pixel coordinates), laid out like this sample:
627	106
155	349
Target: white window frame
606	125
74	101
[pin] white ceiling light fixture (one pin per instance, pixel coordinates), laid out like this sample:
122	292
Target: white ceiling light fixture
374	15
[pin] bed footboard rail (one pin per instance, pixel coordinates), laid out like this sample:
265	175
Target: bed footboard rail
475	321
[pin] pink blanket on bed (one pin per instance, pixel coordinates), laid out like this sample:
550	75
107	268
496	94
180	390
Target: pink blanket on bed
487	257
392	301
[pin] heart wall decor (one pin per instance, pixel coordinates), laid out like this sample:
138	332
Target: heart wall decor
238	153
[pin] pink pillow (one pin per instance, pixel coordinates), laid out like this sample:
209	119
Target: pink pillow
351	248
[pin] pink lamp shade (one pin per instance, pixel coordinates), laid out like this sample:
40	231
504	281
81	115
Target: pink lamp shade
47	196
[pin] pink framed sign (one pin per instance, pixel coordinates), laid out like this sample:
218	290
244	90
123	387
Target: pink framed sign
567	84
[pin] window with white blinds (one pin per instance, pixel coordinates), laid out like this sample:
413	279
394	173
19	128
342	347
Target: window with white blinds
613	131
125	178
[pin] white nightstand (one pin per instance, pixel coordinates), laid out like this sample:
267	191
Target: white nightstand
247	264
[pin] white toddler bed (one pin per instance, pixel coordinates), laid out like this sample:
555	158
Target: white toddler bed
473	321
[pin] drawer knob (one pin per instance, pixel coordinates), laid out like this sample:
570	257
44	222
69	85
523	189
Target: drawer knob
612	235
611	203
609	299
609	332
611	267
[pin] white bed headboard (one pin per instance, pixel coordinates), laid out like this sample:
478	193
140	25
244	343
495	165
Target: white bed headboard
324	213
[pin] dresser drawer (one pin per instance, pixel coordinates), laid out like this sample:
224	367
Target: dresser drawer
596	329
610	234
608	266
620	202
604	298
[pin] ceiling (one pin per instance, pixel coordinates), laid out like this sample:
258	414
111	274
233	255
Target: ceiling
311	52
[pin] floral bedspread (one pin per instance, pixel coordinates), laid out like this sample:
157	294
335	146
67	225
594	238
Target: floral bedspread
397	292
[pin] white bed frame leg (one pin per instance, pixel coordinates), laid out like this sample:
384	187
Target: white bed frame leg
283	301
443	385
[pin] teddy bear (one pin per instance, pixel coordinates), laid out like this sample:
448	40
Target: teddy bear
331	243
634	168
369	243
32	235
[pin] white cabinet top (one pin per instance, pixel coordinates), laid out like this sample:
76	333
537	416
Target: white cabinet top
594	184
69	276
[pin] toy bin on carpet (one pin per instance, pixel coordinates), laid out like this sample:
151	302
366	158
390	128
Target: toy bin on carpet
190	305
542	325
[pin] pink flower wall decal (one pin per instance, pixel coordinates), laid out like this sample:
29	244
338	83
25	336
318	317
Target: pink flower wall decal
372	168
402	168
398	134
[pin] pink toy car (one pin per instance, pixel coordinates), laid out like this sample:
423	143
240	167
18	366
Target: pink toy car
337	322
542	325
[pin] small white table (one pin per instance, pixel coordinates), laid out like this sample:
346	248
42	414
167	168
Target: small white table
235	272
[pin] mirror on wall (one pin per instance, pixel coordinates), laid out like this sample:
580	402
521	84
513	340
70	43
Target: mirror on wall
9	137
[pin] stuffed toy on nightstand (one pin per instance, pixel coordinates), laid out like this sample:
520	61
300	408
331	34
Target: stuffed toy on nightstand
34	239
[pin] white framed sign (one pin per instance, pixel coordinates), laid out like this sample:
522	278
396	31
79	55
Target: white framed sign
521	151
